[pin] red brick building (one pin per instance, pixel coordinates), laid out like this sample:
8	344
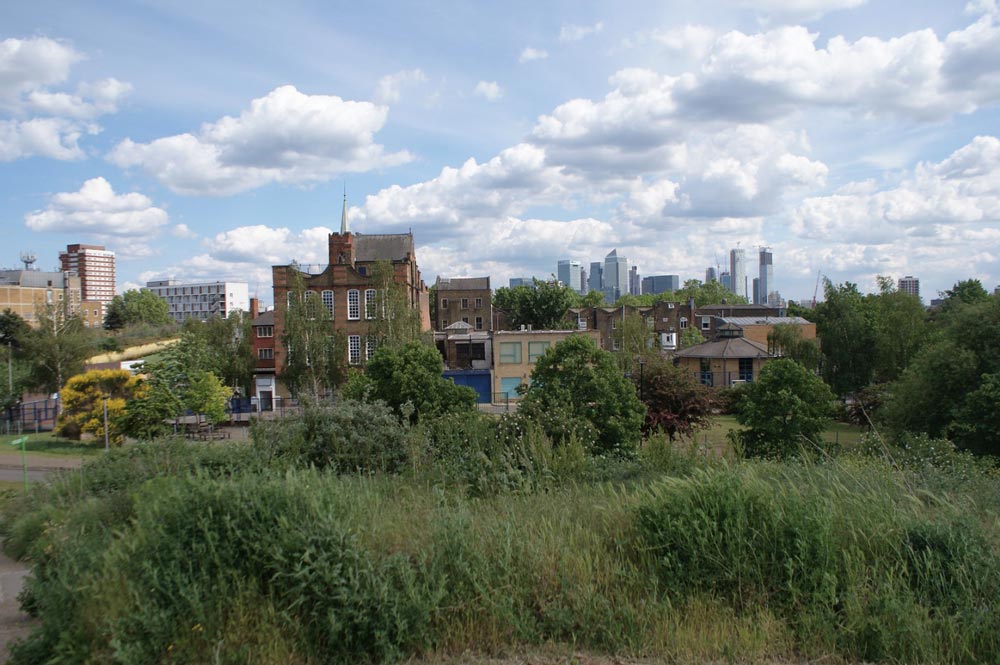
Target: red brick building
346	286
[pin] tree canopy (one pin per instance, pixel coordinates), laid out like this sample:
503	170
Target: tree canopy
787	407
410	374
84	398
136	306
576	378
315	354
56	349
542	307
676	402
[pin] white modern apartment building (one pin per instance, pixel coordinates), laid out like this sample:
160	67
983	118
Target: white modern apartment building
201	300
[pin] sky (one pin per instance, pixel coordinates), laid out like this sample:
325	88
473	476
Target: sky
212	140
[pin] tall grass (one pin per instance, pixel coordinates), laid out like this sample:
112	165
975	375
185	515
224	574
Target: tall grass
484	536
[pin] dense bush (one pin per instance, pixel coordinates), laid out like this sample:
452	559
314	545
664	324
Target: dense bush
348	436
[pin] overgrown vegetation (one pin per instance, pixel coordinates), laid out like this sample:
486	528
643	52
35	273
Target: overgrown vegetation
347	534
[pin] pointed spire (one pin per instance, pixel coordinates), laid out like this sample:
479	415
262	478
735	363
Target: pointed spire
343	215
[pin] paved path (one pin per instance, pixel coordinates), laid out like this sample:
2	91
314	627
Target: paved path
13	622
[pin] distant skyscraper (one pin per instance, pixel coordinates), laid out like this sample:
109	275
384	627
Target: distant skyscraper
634	281
95	266
583	281
756	291
738	271
596	281
615	278
766	266
661	283
911	285
568	272
726	280
710	275
522	281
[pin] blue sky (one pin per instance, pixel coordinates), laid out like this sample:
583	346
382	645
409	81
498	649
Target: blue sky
212	140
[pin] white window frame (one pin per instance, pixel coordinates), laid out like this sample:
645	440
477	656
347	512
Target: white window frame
354	307
354	349
683	323
370	347
369	304
329	300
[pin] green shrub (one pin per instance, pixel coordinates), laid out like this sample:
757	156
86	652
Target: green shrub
348	437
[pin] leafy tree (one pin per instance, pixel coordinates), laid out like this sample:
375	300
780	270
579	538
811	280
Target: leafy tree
706	293
947	387
410	374
900	329
316	355
147	415
689	337
676	403
56	349
634	340
965	292
577	378
787	406
397	320
542	307
136	306
847	338
590	299
228	347
13	330
207	395
785	339
83	402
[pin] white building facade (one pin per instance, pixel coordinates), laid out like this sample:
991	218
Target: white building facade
201	300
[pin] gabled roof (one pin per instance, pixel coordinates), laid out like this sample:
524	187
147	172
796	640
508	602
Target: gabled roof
459	325
732	347
265	319
463	284
382	247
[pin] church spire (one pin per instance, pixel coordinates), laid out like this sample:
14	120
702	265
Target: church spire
343	215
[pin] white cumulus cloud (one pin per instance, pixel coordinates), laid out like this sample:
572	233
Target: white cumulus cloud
574	33
389	87
530	54
285	137
96	209
490	90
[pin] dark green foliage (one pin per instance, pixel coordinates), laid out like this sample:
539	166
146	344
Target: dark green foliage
136	307
348	437
542	307
56	349
847	337
583	382
784	410
950	387
408	378
13	329
227	345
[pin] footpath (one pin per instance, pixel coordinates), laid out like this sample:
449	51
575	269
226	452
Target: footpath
13	622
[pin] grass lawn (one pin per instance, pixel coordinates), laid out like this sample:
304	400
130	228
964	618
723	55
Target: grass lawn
715	437
49	445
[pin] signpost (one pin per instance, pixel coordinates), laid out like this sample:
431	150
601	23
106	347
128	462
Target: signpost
24	463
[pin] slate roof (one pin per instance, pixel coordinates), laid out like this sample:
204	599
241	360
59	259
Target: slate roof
765	320
265	319
382	247
463	283
730	347
32	278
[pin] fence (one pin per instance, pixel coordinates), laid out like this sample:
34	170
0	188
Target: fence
38	416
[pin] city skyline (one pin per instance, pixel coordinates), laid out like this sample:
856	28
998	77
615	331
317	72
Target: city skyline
855	138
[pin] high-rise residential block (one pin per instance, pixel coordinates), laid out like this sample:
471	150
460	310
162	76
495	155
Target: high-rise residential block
201	300
711	275
726	280
95	266
911	285
766	276
568	272
738	271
